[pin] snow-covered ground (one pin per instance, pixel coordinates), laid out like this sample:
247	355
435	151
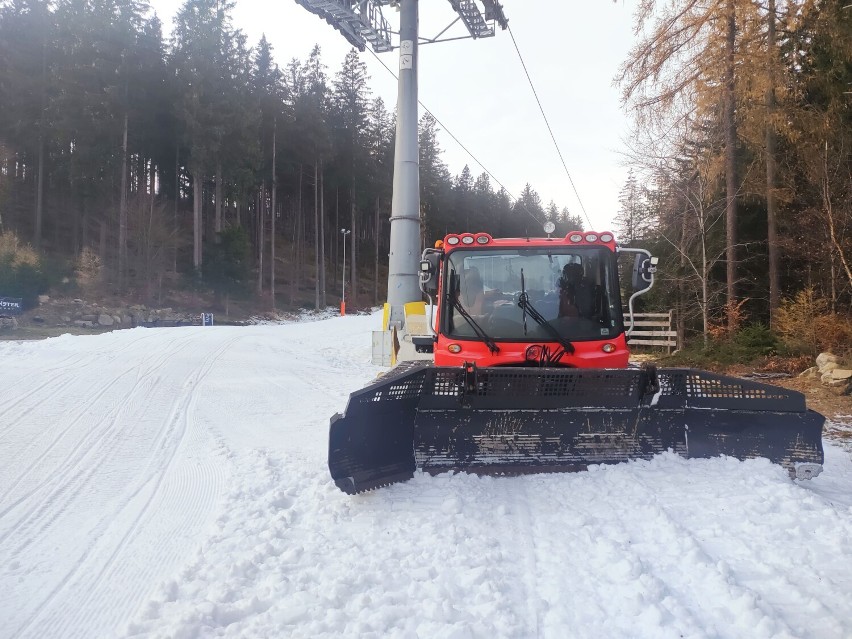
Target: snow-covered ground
172	483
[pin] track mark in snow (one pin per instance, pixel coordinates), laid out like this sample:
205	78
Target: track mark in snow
87	446
525	541
398	563
55	381
188	492
692	587
713	570
666	548
191	489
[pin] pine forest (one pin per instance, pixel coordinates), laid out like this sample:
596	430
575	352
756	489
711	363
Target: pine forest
139	164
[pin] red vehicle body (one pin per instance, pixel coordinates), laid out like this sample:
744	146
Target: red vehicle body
520	349
530	375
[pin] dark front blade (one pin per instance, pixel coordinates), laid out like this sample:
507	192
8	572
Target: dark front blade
725	415
371	444
522	420
504	420
514	420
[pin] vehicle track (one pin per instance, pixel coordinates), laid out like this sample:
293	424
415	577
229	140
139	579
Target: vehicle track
85	446
119	525
686	598
526	541
193	487
722	565
45	388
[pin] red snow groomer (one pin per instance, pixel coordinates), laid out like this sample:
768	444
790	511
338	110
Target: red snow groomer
527	371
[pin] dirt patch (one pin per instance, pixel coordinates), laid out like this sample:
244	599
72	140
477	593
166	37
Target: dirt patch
819	397
837	408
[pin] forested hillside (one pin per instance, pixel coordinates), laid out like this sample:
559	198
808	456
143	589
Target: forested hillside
137	164
742	163
208	161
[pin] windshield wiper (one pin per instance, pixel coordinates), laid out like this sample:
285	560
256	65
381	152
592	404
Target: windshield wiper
527	307
481	334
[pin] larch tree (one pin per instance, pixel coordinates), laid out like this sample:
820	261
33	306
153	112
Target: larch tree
685	63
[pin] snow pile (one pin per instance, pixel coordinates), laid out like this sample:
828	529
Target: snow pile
172	483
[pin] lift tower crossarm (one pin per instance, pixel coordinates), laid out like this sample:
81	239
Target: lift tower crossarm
360	21
472	18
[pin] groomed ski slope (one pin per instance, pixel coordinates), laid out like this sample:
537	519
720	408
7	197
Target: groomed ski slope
172	483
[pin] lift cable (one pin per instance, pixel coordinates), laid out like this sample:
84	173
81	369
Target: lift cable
466	150
550	130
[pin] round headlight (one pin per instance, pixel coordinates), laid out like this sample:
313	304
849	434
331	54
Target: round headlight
467	239
606	237
452	240
608	348
454	348
576	237
591	237
483	239
534	352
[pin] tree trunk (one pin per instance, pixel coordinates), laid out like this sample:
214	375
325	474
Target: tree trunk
376	263
149	284
681	285
705	293
771	213
274	212
316	237
39	208
217	216
353	258
138	186
297	261
261	210
84	224
337	233
323	300
197	196
75	233
102	248
175	238
730	169
122	208
829	211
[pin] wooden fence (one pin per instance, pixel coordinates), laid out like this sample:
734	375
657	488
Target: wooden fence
652	329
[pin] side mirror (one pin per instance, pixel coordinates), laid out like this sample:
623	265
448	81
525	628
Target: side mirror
429	268
643	272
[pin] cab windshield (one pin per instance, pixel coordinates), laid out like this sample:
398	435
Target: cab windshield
574	289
